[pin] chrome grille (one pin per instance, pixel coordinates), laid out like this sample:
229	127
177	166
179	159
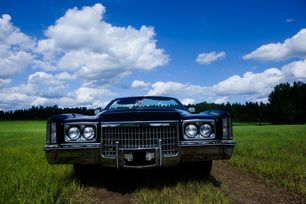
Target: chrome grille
144	136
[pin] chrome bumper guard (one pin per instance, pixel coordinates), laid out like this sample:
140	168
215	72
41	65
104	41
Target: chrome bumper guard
121	152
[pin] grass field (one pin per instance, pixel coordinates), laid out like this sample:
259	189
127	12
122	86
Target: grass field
25	176
276	153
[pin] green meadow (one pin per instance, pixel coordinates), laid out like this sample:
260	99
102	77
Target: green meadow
275	153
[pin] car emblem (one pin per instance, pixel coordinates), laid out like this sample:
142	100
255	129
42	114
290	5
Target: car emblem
139	103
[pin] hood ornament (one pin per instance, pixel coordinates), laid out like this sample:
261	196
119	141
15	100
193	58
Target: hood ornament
139	103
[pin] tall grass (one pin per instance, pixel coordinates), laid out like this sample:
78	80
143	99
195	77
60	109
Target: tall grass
194	192
273	152
25	175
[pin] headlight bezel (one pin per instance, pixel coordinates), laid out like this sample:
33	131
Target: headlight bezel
81	126
198	123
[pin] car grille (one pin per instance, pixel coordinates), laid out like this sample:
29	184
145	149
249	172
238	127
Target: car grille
142	137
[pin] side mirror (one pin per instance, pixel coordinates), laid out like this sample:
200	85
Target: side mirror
97	110
191	109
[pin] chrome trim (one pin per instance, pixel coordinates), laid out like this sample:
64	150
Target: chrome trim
110	125
140	167
131	149
206	143
117	154
157	155
160	152
198	121
159	124
142	121
81	123
73	146
84	144
137	123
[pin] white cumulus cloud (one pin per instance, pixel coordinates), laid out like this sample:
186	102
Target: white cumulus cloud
11	35
43	78
188	101
139	84
250	83
15	48
295	70
27	95
176	88
207	58
83	43
291	47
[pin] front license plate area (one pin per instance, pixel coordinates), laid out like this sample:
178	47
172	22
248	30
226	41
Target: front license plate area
139	158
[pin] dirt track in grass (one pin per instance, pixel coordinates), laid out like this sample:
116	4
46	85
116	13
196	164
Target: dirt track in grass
247	188
242	187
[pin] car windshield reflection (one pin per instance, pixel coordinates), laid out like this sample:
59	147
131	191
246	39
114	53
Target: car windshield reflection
145	103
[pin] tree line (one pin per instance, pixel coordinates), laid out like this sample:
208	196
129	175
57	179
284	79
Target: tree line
286	106
41	112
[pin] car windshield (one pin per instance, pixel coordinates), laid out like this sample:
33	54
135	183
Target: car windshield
144	103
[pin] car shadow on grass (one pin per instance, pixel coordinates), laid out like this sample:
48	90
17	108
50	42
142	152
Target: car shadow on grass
128	181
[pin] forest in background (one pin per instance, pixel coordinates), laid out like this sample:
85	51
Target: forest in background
287	105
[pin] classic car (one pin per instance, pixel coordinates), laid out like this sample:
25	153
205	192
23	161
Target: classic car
140	132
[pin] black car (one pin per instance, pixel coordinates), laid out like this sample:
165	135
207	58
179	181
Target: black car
140	132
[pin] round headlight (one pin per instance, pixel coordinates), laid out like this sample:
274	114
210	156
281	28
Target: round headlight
74	133
89	133
206	130
191	130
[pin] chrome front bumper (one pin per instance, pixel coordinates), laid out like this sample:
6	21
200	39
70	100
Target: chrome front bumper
90	153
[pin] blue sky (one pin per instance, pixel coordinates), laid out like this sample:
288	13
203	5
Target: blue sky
84	53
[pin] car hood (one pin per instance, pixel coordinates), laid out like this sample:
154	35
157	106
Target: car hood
157	114
140	115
